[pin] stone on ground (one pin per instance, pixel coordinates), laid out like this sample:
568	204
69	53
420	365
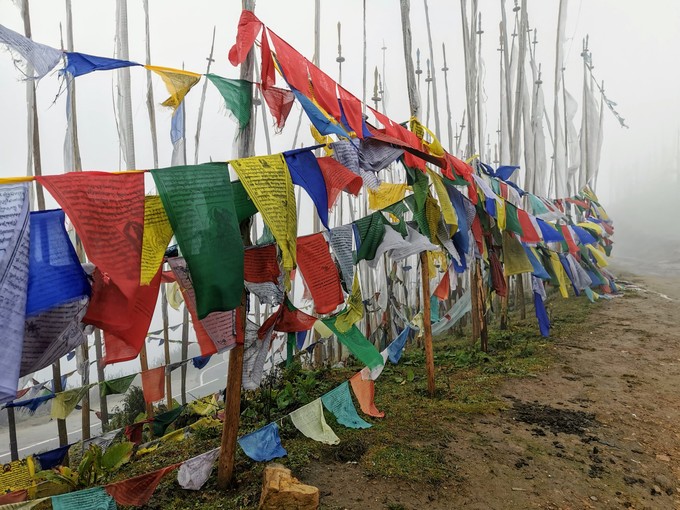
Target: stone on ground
282	491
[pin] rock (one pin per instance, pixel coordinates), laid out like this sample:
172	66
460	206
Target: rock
662	457
656	490
282	491
664	483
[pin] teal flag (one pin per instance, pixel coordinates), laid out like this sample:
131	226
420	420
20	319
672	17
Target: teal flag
200	206
357	344
339	402
96	498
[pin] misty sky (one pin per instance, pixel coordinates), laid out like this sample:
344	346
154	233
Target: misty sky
635	49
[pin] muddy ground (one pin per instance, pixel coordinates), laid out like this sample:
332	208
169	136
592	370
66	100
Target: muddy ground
598	429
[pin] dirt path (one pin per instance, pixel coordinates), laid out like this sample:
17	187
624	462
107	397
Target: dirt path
600	429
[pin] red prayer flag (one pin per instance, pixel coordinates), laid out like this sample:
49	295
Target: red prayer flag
365	393
320	273
477	233
529	234
153	384
14	497
287	319
268	72
261	264
280	101
497	277
338	178
461	167
351	106
138	490
248	28
292	63
573	249
323	87
444	288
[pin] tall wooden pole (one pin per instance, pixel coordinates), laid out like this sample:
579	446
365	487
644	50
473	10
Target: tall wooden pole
432	73
449	127
166	346
232	406
13	445
185	352
413	98
103	401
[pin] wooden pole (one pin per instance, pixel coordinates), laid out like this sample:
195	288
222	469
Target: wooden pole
144	363
232	405
56	381
185	352
103	401
449	127
432	73
427	324
481	308
413	98
13	445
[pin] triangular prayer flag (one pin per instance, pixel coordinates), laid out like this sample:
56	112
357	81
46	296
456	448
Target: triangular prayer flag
309	420
364	390
357	344
96	497
515	260
177	81
280	102
396	347
385	195
78	64
354	310
443	290
268	182
248	28
65	402
338	178
137	491
162	421
116	386
287	319
264	444
200	207
339	402
52	458
193	473
371	234
237	95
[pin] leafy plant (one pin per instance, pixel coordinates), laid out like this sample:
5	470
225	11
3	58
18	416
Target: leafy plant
133	406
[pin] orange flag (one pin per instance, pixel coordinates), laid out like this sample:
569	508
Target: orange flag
138	490
153	384
365	391
443	290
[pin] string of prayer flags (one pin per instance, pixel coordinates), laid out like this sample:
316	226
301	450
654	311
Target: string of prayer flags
385	195
237	95
51	335
287	319
155	239
396	347
339	402
14	269
515	259
216	332
354	310
162	421
78	64
116	386
96	497
264	444
65	402
55	275
39	59
153	384
357	344
268	183
200	207
193	473
320	274
309	420
137	491
338	178
364	390
52	458
305	172
177	81
280	102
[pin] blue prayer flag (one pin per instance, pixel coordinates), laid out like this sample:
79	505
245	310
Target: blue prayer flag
339	402
78	64
584	236
305	172
53	458
541	315
264	444
550	233
200	361
395	349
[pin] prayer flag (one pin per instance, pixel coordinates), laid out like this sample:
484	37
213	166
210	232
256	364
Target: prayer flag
304	171
237	95
264	444
287	319
116	386
65	402
39	59
95	498
78	64
309	420
137	491
280	102
162	421
155	239
339	402
396	347
515	259
153	384
354	310
338	178
193	473
357	344
177	81
364	390
200	207
53	458
320	273
248	28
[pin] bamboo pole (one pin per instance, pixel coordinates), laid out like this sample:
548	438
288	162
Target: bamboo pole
232	406
103	400
166	346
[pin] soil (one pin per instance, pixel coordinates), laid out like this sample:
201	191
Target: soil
598	429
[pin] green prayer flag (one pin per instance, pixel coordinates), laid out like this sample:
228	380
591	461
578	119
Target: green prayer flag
398	209
238	97
420	183
65	402
339	402
371	232
418	215
512	220
357	344
115	386
162	421
200	206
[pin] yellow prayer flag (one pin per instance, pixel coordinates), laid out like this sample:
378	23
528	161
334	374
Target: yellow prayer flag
432	215
177	81
561	275
354	310
17	475
449	213
66	401
385	195
268	183
324	139
500	213
592	226
323	330
515	260
599	257
156	237
174	294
